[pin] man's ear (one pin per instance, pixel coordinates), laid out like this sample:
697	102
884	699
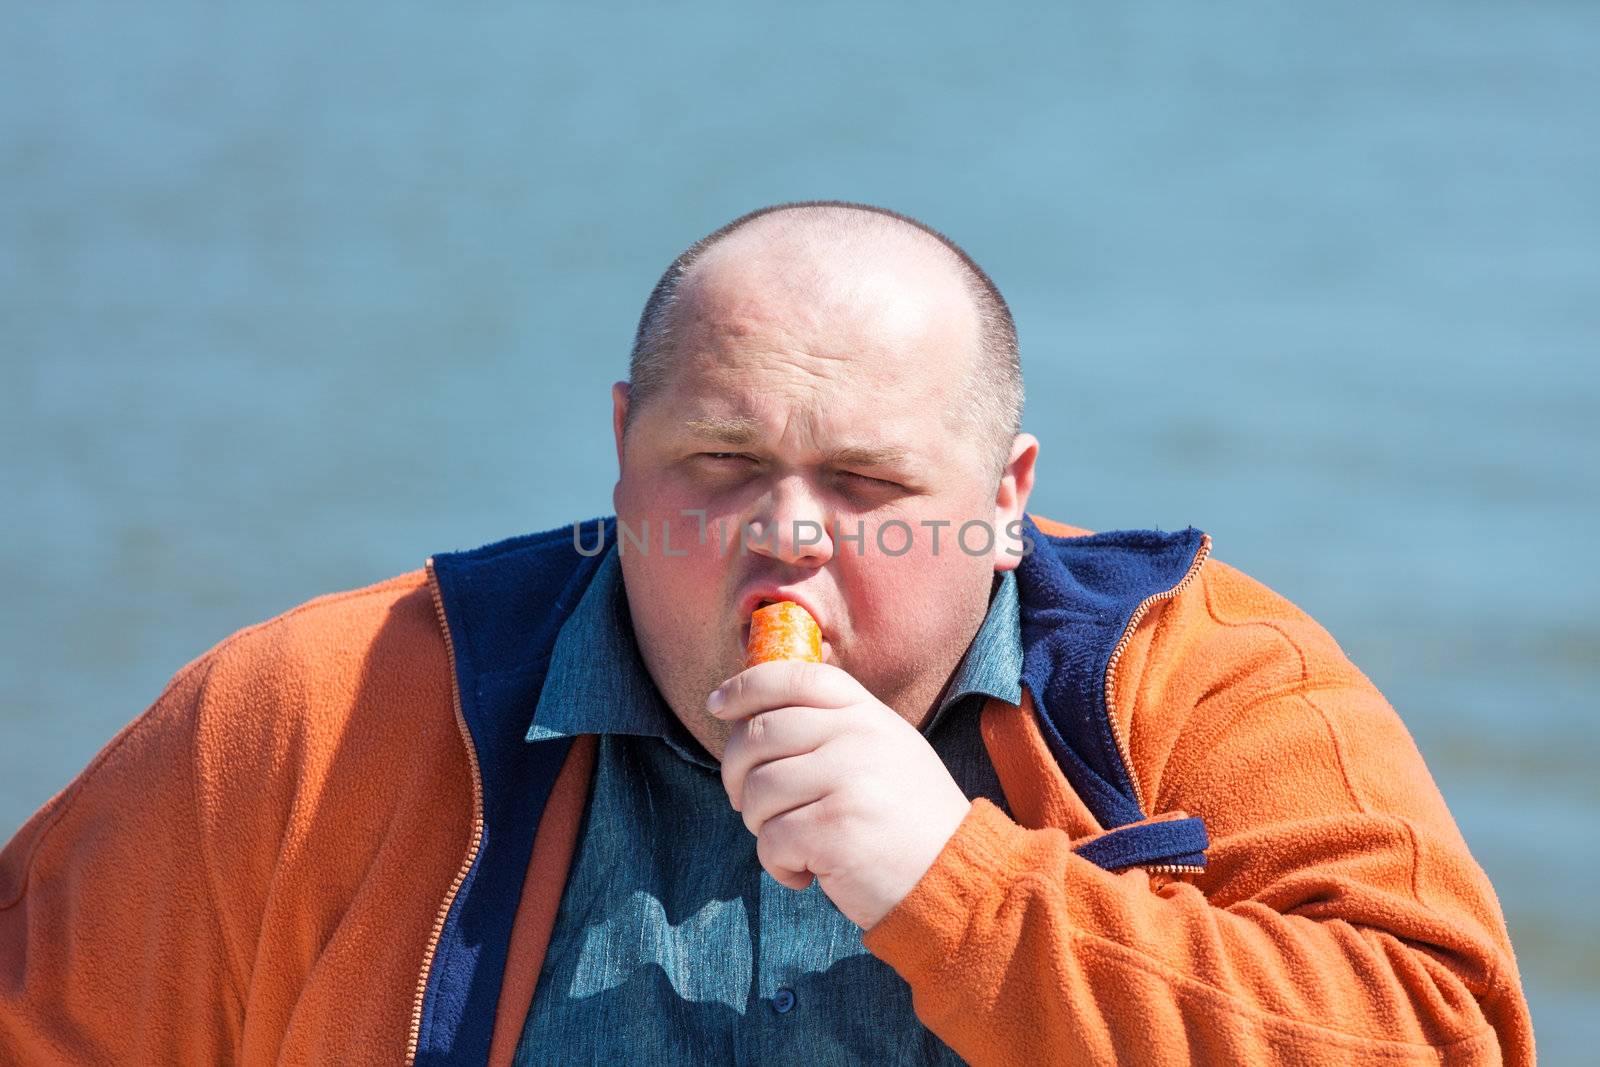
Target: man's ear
619	415
1011	501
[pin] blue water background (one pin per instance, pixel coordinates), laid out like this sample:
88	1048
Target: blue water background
291	298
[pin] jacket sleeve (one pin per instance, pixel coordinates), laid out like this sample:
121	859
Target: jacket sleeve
110	949
1340	918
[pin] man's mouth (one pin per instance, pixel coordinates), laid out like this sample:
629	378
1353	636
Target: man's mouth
744	627
752	604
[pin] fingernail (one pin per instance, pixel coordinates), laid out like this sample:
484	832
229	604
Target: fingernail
714	701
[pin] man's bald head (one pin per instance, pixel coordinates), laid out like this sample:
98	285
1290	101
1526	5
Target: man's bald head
836	245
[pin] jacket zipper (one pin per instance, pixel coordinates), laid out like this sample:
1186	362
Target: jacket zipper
1111	671
477	827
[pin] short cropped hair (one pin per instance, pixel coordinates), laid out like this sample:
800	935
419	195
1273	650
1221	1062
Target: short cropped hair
994	394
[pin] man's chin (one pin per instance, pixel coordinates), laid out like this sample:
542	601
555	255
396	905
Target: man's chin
712	733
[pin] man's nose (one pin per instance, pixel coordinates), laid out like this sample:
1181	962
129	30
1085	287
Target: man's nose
791	523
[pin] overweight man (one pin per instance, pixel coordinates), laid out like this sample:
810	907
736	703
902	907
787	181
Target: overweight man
1051	796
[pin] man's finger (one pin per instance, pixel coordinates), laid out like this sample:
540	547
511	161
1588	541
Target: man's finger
781	847
782	683
772	735
782	785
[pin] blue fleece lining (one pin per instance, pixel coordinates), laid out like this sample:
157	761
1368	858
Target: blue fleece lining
1078	594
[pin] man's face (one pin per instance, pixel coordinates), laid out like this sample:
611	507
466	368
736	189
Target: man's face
803	410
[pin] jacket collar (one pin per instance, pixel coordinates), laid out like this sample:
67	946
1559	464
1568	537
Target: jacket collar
1079	596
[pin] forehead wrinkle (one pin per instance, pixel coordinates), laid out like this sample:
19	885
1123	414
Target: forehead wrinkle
738	307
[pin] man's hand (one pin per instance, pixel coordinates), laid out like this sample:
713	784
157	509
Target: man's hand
834	784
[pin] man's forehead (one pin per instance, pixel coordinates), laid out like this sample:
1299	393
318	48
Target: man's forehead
817	285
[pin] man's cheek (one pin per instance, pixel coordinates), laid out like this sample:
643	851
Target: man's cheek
918	539
889	606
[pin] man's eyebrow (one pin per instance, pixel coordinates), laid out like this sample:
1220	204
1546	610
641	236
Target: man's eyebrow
740	432
729	431
870	456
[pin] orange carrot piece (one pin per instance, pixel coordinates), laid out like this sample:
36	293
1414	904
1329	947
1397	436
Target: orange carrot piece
784	630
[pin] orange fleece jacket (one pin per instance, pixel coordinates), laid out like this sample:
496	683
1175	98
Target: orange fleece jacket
256	868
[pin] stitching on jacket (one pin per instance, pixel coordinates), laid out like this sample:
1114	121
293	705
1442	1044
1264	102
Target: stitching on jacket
1206	584
1211	609
1303	690
1336	739
1416	862
1494	960
1204	742
1160	799
1404	823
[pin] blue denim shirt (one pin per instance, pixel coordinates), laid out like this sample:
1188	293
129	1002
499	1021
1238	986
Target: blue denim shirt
671	945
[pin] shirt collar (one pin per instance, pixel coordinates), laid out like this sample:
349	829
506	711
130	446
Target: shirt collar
597	682
993	663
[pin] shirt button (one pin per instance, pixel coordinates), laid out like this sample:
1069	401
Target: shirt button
783	1000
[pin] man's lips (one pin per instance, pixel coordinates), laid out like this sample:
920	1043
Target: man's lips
755	597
